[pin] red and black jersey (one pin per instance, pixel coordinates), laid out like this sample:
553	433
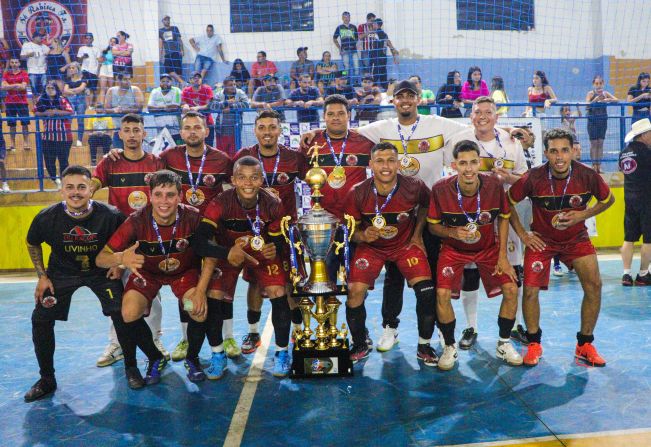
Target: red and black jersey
354	161
410	195
128	189
232	221
217	170
138	227
444	209
291	167
535	184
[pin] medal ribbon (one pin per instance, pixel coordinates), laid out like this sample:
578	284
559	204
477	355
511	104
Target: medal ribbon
460	200
77	213
411	134
160	239
378	210
292	249
193	185
255	226
264	173
551	184
499	143
346	250
339	159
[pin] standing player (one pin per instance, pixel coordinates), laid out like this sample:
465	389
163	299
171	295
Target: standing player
75	228
560	191
129	192
163	233
463	211
389	210
281	168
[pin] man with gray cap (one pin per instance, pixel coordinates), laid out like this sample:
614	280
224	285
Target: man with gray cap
167	100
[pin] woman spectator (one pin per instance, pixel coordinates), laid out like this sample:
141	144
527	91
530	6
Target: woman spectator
57	61
449	94
498	93
75	92
640	92
241	74
56	134
106	69
122	61
597	119
541	93
473	88
325	71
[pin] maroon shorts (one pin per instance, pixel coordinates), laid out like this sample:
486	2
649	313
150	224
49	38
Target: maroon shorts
537	263
180	283
451	264
269	272
249	276
411	261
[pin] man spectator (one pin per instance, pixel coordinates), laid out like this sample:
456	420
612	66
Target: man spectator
427	97
14	82
367	96
170	46
88	56
229	98
198	96
259	70
341	87
166	98
269	95
346	33
35	53
378	55
364	32
306	96
207	48
300	67
122	99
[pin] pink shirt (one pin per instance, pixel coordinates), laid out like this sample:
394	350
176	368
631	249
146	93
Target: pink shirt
123	60
260	71
468	93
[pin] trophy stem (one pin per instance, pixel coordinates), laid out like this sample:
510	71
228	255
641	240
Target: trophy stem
306	312
321	315
333	307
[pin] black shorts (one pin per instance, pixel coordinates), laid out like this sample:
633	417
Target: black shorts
597	126
123	69
637	220
91	80
172	63
108	291
17	111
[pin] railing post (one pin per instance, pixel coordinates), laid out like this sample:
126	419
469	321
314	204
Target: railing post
39	154
622	127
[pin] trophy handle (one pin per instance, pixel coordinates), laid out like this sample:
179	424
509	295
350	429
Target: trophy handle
285	228
350	223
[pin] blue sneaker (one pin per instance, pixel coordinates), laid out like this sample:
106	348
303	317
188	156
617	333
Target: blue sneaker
217	366
154	370
281	364
195	371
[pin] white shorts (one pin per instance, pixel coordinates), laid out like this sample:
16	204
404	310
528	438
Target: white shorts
106	71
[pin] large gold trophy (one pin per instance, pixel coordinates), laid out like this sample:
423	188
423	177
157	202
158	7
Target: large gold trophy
327	353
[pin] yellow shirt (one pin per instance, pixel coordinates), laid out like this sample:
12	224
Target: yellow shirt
99	124
500	98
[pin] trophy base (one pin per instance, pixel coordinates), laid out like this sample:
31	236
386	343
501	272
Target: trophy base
332	362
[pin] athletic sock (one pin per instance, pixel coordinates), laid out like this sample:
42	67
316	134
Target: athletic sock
356	318
44	344
214	323
281	319
447	329
505	325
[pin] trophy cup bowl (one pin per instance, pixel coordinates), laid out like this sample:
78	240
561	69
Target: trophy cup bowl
317	232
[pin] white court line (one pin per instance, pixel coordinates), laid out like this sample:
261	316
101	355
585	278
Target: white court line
243	408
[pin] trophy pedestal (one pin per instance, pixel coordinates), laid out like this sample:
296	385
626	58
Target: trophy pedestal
331	362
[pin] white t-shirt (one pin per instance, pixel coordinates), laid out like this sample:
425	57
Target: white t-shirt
158	99
208	45
35	64
89	64
429	144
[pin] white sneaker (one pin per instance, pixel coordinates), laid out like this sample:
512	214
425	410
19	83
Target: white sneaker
5	187
388	339
558	271
449	358
161	348
58	182
507	352
112	354
79	143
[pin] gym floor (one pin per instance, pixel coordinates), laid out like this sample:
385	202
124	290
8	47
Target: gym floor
391	400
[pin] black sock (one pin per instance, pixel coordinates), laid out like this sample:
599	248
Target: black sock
227	309
356	318
506	326
534	338
297	316
43	338
425	308
583	339
196	334
141	335
127	343
281	319
447	329
214	323
392	296
253	316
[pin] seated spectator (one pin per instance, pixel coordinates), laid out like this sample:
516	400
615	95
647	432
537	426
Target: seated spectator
300	67
15	81
122	55
306	97
541	94
426	96
368	95
261	68
88	56
166	98
100	136
240	74
34	53
5	55
207	48
122	99
325	71
197	96
449	94
228	99
75	91
498	93
341	87
269	95
170	47
57	61
473	88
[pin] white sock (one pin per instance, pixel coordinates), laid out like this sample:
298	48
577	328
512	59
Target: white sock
113	337
155	317
219	348
503	340
627	271
278	348
643	272
227	329
184	331
422	341
519	318
253	328
470	301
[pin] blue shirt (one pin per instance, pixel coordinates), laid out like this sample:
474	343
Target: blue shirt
306	115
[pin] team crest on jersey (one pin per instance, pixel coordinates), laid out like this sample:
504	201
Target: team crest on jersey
537	266
48	19
402	217
79	234
283	178
361	263
351	160
628	165
510	246
182	244
209	180
148	177
423	146
484	217
576	201
447	272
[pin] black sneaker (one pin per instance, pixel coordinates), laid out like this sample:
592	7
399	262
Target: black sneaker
250	342
520	335
42	387
154	370
468	338
643	280
369	341
359	352
427	354
627	280
134	378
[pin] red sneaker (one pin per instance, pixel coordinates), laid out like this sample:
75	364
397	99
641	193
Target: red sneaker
534	352
588	353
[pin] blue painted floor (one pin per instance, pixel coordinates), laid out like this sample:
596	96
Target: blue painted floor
392	400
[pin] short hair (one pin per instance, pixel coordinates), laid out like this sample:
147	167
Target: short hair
246	161
417	77
484	100
165	177
368	78
268	114
384	146
335	99
210	26
132	118
193	114
557	134
345	13
121	76
465	146
228	79
76	170
306	75
370	16
264	53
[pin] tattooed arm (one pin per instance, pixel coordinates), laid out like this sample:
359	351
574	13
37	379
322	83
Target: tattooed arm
44	283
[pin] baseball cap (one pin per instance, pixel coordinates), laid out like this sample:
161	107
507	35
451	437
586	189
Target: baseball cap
405	85
270	76
299	49
165	75
195	74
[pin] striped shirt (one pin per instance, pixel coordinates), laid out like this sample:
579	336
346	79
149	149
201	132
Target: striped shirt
55	129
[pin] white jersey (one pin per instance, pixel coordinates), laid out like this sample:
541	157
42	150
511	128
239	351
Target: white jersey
428	145
159	99
90	64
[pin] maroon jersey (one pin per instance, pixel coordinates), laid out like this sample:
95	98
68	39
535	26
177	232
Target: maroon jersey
138	227
583	184
128	190
354	161
291	167
410	195
444	209
217	170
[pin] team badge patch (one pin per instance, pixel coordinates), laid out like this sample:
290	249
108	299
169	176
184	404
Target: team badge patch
402	217
628	165
351	160
182	244
537	266
447	272
576	201
484	217
361	263
423	146
148	177
209	180
49	19
283	177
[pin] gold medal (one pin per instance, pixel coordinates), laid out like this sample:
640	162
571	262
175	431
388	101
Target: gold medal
556	221
169	265
195	197
409	166
388	232
498	163
273	191
471	227
137	200
257	243
379	222
337	178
